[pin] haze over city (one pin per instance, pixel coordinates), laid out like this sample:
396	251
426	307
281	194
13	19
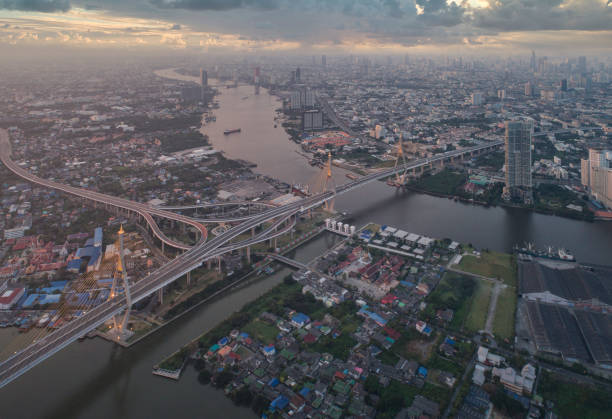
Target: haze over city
306	209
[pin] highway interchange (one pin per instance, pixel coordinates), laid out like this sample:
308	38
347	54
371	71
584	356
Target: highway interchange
192	258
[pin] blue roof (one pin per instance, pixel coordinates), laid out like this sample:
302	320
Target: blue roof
300	318
422	371
304	392
87	251
377	318
223	341
244	335
270	348
97	241
74	264
279	403
274	382
449	341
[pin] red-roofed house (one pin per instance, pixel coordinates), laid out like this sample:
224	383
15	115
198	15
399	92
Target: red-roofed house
10	297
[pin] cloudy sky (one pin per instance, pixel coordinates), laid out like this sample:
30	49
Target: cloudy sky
314	26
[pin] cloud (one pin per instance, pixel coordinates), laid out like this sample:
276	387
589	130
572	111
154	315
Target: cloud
215	4
47	6
520	15
175	27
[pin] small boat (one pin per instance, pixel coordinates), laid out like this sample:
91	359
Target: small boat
231	131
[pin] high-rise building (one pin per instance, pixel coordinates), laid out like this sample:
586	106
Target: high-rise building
203	78
532	64
582	64
312	120
529	89
596	175
477	99
564	85
307	98
298	75
302	98
295	101
323	60
518	158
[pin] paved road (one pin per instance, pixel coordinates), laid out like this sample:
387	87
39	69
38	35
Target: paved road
181	265
144	210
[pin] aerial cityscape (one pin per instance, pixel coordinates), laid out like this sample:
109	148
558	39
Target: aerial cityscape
309	209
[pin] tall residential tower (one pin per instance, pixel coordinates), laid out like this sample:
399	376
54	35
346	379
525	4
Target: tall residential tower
596	174
518	159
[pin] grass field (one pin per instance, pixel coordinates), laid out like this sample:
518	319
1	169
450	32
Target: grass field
491	265
455	292
503	322
477	316
262	331
575	400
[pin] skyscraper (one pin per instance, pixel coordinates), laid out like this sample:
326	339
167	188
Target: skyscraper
533	61
323	60
564	85
298	75
518	159
203	78
203	83
596	175
582	66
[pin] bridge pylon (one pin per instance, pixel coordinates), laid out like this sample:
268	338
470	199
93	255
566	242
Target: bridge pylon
119	330
400	162
328	183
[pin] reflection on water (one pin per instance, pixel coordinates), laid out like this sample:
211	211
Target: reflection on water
96	379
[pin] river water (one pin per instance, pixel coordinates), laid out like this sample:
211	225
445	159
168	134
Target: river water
497	228
96	379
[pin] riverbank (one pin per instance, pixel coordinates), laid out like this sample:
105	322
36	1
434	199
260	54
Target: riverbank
253	355
457	185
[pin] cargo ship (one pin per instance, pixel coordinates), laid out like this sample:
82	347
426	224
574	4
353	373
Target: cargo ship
549	253
231	131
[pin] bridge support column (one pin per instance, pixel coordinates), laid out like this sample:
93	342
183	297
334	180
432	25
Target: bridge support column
160	296
188	278
219	260
208	264
248	254
253	232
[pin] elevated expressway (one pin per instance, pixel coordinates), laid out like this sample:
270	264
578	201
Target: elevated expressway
145	211
191	259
